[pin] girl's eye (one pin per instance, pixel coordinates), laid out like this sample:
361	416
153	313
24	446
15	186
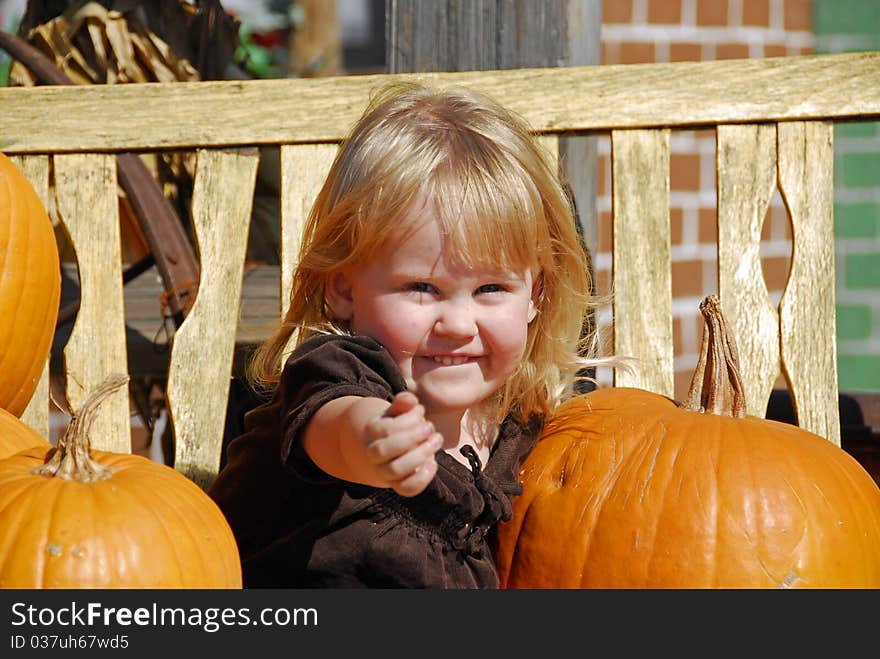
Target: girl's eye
491	288
421	287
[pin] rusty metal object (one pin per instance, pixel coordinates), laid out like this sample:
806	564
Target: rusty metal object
171	248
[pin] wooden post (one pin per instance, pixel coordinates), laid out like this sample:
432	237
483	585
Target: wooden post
468	35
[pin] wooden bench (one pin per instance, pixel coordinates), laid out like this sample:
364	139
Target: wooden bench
774	124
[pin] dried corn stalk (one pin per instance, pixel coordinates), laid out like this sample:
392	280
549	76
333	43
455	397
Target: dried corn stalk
95	45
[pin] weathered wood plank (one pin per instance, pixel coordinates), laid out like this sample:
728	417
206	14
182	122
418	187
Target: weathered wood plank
36	414
484	35
550	143
807	312
201	358
642	261
450	35
303	170
746	175
85	187
581	98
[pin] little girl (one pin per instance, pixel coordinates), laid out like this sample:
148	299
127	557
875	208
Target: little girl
436	316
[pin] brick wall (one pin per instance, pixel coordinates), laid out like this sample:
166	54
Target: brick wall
638	31
852	25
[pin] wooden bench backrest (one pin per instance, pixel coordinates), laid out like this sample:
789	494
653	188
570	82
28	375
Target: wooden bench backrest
774	121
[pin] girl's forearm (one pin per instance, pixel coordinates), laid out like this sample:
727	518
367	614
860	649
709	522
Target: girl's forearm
335	437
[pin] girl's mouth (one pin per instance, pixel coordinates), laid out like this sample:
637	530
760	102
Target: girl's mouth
449	360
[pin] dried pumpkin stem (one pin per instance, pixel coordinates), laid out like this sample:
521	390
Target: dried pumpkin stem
72	459
716	387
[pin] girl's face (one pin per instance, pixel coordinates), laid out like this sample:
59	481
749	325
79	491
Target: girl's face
457	333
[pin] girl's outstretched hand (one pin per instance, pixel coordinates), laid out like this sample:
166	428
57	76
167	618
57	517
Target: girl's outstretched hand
401	445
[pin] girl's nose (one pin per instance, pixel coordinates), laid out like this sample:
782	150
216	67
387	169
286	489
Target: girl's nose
456	319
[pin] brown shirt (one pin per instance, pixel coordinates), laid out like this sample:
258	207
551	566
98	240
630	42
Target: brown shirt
299	527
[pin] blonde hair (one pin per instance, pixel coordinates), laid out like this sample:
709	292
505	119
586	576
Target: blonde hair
498	199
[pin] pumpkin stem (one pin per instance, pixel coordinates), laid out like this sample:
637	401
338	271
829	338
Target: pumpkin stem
72	459
716	387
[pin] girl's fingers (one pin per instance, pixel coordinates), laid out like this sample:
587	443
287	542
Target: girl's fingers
401	403
402	463
394	437
400	417
404	445
417	481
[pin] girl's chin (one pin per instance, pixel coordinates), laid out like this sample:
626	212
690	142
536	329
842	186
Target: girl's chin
445	400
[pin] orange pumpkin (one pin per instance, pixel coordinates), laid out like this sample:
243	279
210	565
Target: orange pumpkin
16	436
30	287
75	518
628	489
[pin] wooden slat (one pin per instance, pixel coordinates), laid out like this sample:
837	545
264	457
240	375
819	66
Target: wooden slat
59	119
807	311
87	204
551	144
642	264
303	170
746	175
201	358
36	414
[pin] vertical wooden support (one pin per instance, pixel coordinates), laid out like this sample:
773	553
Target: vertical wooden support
807	310
203	348
450	35
642	262
550	143
746	175
303	170
85	186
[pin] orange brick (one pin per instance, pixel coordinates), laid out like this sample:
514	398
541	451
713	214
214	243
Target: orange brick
777	224
775	50
696	321
685	52
756	12
684	172
767	226
610	53
687	278
636	52
707	226
682	384
603	281
785	221
676	225
775	271
677	347
711	12
620	11
774	221
779	383
603	180
664	12
731	51
798	15
604	231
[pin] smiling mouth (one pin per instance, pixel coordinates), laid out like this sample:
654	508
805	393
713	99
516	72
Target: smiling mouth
447	360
